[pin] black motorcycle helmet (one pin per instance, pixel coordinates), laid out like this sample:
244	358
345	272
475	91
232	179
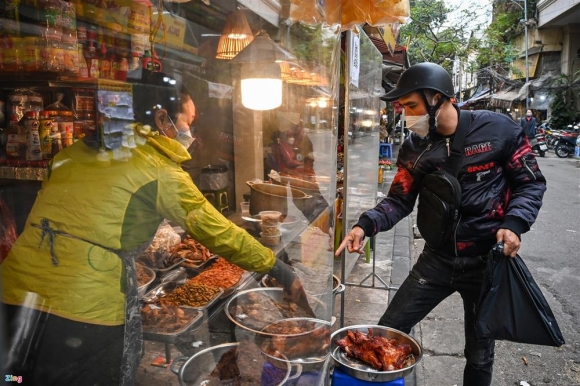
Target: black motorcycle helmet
420	77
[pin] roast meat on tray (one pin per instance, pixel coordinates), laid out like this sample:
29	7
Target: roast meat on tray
381	353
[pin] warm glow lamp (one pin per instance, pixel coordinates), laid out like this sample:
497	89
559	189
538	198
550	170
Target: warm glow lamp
261	79
261	86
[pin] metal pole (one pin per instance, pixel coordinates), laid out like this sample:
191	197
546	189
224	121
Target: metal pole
345	166
460	75
526	48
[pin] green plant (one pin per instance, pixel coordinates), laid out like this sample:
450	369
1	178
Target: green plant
565	101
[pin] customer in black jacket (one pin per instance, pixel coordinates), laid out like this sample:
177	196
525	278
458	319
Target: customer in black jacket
502	189
528	123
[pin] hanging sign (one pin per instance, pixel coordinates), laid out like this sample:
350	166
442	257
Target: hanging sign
354	60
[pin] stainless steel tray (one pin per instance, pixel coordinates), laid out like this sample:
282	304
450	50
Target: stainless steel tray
211	302
361	370
208	304
226	291
161	271
171	337
202	266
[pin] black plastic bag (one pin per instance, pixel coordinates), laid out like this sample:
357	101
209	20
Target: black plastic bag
512	306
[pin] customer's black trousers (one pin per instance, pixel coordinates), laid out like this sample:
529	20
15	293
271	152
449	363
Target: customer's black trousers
432	279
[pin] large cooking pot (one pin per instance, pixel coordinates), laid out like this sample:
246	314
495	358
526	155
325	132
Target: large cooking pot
197	368
304	341
337	286
308	187
275	197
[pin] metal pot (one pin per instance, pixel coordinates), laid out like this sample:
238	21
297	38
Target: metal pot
297	183
337	286
362	371
274	295
309	348
196	368
275	197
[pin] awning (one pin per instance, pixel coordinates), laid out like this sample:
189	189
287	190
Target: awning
506	95
484	94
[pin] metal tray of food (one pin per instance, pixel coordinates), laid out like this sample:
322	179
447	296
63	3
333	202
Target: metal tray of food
159	291
176	264
195	269
211	302
142	288
270	306
363	371
170	336
226	291
204	307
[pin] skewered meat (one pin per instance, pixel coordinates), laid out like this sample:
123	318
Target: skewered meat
381	353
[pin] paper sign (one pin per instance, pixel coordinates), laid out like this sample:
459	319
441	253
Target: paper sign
354	60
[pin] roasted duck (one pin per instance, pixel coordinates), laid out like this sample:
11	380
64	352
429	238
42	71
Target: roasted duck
381	353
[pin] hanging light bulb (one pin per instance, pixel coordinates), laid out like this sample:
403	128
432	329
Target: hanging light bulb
261	86
235	36
261	79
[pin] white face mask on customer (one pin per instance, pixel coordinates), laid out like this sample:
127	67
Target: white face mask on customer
420	123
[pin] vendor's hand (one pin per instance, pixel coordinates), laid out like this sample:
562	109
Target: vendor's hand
295	292
353	241
511	242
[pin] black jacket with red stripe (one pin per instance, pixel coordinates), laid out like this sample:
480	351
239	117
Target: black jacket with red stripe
502	186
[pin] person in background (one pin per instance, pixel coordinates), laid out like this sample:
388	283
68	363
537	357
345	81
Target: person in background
528	124
304	146
69	286
501	194
284	154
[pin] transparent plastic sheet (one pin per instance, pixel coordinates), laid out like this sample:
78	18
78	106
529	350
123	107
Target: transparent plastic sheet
133	337
35	332
357	12
304	11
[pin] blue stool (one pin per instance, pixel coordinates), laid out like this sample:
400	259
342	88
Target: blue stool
341	379
385	150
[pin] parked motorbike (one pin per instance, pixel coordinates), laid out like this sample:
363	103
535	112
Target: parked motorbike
538	144
566	145
571	130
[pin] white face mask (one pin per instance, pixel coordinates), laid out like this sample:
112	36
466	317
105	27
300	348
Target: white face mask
420	123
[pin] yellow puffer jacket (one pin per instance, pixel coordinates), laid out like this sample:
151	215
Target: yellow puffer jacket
101	203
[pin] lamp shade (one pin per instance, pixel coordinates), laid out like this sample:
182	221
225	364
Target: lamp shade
235	36
262	49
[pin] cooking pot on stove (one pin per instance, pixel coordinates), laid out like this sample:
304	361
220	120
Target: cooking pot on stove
265	197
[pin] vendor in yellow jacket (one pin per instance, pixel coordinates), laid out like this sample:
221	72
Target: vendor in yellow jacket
69	285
